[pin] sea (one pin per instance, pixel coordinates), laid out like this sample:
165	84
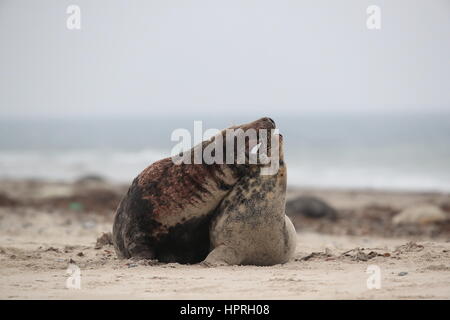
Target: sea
408	152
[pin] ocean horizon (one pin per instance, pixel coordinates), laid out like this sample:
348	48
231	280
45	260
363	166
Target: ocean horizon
378	151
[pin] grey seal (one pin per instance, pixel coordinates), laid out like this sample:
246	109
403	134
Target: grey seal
251	226
167	210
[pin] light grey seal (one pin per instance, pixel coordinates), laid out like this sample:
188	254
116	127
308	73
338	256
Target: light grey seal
251	226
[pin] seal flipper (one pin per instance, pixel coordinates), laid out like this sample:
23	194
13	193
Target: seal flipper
222	256
133	224
140	249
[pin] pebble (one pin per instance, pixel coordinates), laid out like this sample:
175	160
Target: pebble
420	214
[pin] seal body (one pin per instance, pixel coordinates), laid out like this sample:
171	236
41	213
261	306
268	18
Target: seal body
251	226
167	210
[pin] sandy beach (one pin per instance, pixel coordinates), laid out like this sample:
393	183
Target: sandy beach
47	226
347	102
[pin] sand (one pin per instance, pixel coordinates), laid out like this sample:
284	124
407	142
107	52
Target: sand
38	240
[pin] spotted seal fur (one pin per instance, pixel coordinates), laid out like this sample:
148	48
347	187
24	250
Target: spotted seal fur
251	226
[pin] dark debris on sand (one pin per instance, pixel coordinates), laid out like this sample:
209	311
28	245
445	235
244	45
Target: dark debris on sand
99	200
309	212
311	207
104	240
368	220
362	254
6	201
87	195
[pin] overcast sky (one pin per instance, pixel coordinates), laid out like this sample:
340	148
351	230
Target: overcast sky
278	56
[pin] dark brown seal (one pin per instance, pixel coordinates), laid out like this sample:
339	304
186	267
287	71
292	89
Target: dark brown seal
168	208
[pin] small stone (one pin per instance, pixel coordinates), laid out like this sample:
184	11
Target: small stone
89	224
403	273
103	240
421	214
310	207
